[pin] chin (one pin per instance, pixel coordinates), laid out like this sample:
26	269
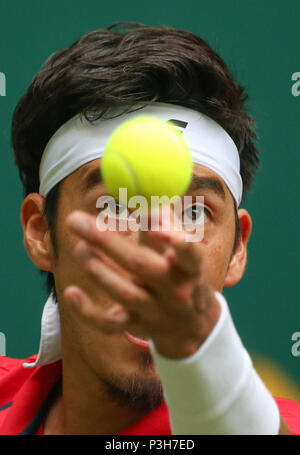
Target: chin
140	392
137	385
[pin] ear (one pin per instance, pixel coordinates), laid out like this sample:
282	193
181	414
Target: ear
238	261
36	232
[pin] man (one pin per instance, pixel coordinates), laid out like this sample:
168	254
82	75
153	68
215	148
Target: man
136	335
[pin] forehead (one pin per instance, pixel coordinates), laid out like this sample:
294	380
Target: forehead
89	175
202	171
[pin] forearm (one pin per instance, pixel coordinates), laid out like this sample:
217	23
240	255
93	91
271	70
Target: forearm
217	390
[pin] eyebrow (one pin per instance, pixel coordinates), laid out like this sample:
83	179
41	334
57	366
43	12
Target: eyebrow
93	178
197	183
207	184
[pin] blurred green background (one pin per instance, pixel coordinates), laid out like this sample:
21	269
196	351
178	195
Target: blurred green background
260	42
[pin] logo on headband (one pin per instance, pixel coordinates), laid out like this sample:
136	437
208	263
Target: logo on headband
178	124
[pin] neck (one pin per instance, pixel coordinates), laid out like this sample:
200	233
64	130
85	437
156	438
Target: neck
84	406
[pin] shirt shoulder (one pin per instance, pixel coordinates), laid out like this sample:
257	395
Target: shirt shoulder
24	394
8	363
12	376
290	412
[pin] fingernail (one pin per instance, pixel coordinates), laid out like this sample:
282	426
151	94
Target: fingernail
75	300
80	225
82	251
117	312
163	235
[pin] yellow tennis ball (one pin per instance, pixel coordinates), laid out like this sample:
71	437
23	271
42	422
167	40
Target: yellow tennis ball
147	156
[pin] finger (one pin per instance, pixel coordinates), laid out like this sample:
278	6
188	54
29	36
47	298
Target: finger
171	238
157	240
120	288
112	320
185	256
139	259
160	222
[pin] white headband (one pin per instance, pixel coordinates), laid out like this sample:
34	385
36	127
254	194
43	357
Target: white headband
78	141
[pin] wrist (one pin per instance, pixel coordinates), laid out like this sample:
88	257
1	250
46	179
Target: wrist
216	390
186	343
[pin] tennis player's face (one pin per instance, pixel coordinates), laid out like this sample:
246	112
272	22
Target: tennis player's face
120	365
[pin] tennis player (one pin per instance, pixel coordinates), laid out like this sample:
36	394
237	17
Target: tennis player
136	336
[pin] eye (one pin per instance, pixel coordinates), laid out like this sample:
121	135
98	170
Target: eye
115	209
196	213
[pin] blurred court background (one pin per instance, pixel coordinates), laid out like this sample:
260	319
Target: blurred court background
260	42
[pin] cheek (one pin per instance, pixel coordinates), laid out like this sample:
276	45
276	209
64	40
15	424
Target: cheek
218	254
68	270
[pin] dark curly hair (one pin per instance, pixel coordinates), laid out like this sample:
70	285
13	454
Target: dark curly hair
121	65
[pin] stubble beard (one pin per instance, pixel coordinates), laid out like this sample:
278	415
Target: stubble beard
140	392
